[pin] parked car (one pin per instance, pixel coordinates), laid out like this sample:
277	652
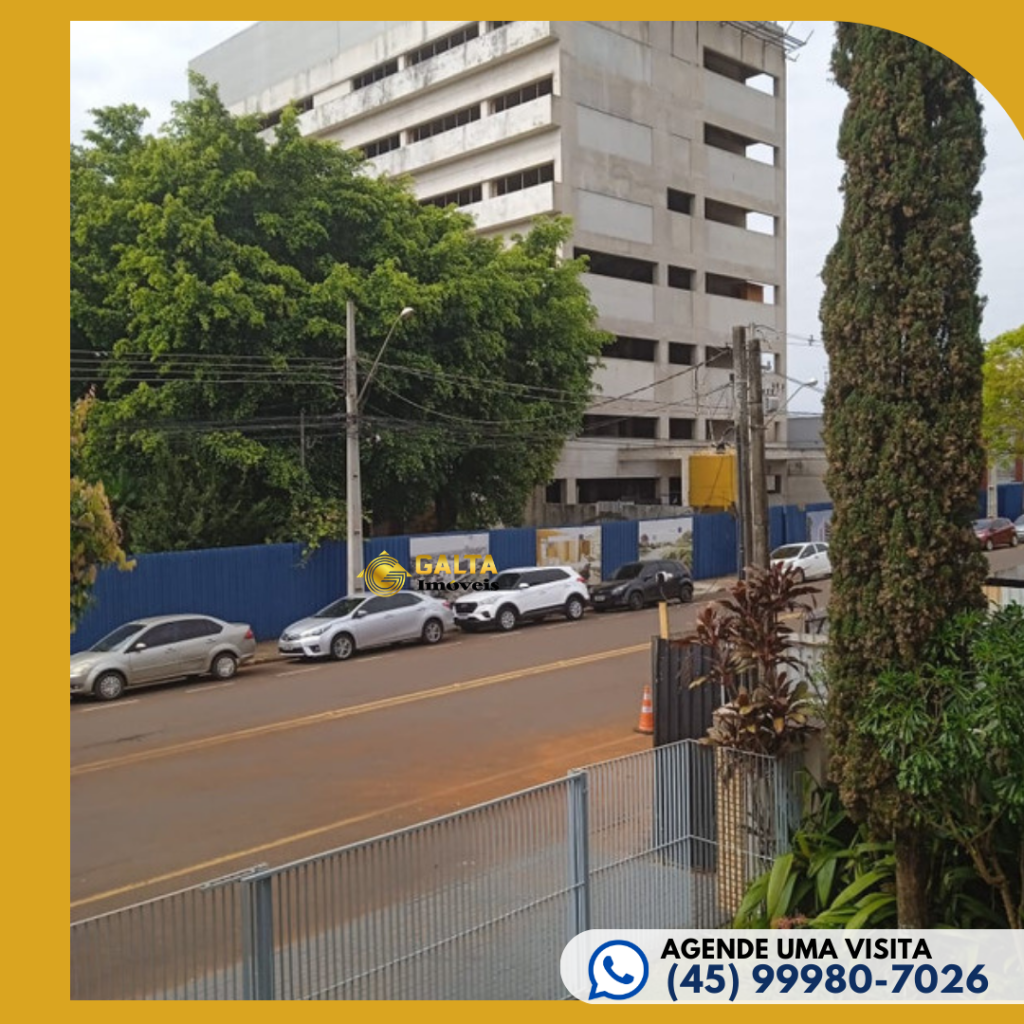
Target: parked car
636	584
518	595
158	650
1018	525
995	533
352	624
808	561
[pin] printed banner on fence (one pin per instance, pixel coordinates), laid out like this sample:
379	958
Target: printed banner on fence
578	546
708	968
448	557
667	538
819	525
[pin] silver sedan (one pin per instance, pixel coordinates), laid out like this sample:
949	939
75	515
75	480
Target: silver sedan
159	649
355	623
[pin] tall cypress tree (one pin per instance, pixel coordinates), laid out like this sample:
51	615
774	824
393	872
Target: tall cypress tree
901	318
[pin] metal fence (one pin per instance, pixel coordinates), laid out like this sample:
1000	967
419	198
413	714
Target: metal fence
474	905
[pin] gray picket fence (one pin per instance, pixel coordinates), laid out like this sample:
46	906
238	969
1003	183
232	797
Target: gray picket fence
473	905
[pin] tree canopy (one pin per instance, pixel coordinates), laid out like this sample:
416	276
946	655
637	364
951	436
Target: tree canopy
900	318
1003	422
210	271
95	537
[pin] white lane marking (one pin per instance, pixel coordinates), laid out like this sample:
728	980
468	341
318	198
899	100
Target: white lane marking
297	671
112	704
209	687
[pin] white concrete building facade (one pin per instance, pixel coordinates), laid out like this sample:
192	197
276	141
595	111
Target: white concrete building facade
664	141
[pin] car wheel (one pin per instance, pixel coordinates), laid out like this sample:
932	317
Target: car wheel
1013	541
342	647
508	619
989	545
635	601
433	631
574	609
798	576
224	666
686	593
109	686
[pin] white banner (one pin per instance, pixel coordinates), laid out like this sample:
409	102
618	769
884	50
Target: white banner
707	968
666	538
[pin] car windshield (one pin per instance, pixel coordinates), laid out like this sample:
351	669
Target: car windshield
984	524
506	581
343	606
629	571
118	637
789	551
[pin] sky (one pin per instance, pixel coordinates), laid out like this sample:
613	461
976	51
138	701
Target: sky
145	63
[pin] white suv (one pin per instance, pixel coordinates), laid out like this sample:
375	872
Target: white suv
515	595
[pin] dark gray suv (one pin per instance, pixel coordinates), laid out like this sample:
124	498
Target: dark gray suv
637	584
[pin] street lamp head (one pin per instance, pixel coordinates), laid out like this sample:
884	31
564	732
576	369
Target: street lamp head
812	383
407	311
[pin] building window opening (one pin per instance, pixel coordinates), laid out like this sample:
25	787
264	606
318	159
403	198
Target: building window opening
457	197
643	350
620	426
719	431
680	277
680	202
738	288
628	268
375	74
680	354
524	179
449	42
738	217
716	358
522	95
741	145
274	117
631	490
681	430
381	146
447	123
729	67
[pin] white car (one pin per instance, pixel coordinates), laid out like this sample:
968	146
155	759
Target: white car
808	561
354	623
517	595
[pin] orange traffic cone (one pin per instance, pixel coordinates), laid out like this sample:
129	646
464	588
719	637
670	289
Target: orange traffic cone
646	723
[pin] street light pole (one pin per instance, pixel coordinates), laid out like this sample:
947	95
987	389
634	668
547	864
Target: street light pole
758	470
742	424
353	479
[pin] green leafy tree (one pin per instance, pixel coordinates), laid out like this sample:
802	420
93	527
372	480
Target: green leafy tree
1003	420
95	537
900	318
949	731
210	274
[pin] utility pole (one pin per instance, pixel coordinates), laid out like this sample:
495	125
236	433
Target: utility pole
758	470
353	481
742	422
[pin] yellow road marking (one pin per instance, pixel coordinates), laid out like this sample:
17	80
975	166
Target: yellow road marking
296	837
336	714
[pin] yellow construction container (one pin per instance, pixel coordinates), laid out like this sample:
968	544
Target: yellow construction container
713	480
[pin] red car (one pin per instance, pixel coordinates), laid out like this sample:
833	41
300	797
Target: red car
995	533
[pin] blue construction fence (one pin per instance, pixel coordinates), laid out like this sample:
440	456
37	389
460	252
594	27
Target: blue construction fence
271	585
1009	501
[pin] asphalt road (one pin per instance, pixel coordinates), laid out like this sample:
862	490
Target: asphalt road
187	782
